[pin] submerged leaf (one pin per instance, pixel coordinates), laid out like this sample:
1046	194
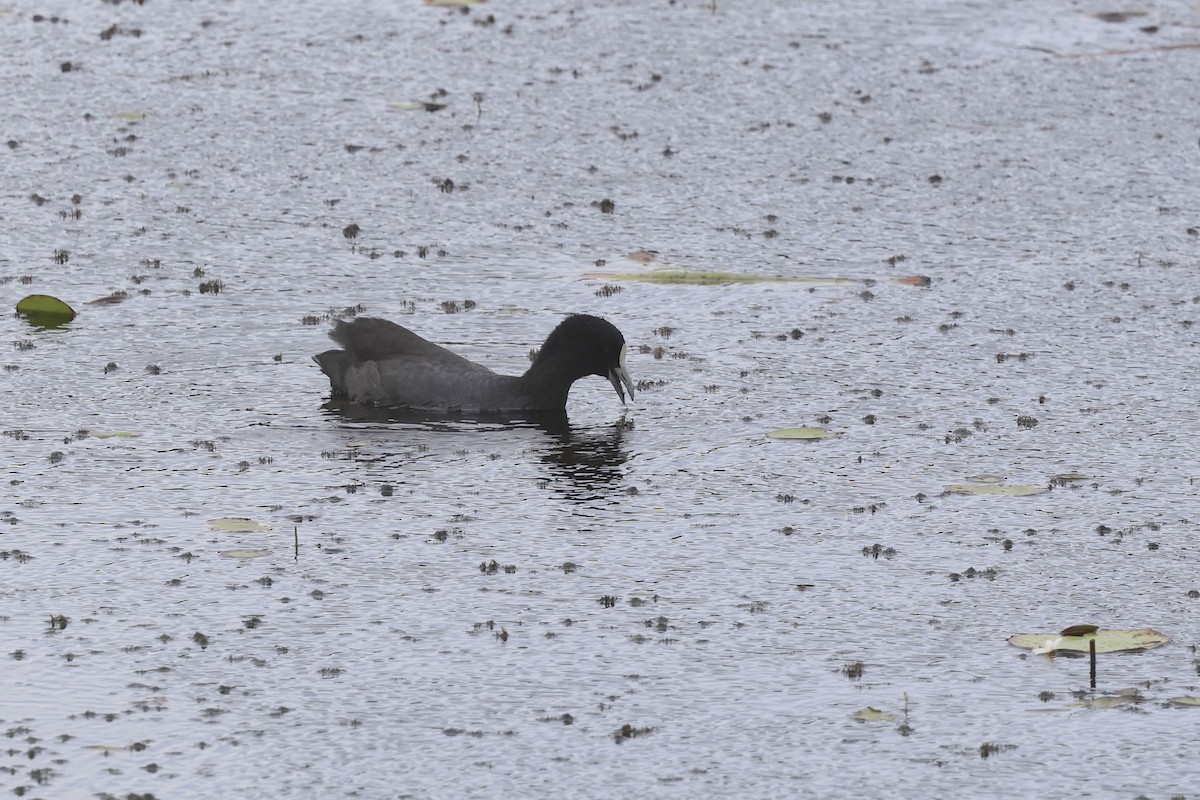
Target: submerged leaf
1078	630
800	433
709	277
1107	641
667	272
245	553
1118	16
1005	489
236	525
985	479
106	748
416	105
109	299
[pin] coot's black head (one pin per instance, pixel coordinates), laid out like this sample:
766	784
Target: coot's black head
589	345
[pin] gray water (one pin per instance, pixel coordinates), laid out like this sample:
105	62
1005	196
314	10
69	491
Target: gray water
679	606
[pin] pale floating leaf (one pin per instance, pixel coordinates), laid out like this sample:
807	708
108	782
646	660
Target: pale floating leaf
236	525
130	115
1115	700
985	479
1185	701
1003	489
246	552
870	714
1107	641
1065	477
1101	702
114	435
800	433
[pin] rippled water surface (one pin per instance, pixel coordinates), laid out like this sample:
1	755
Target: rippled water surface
652	601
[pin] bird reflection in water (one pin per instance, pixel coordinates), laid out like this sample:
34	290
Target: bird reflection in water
585	464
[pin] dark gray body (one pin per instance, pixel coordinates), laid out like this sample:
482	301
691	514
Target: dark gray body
384	364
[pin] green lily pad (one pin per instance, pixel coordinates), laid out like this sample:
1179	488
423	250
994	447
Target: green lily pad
1107	641
246	552
236	525
45	311
870	714
1005	489
800	433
